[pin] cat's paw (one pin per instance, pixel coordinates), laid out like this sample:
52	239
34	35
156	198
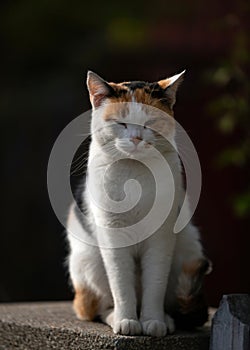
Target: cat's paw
127	327
169	324
154	328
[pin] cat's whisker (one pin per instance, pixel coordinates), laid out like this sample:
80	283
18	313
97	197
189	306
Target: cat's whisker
80	157
80	165
78	171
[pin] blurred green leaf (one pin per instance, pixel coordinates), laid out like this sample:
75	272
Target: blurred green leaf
242	204
227	123
230	109
126	32
221	76
231	156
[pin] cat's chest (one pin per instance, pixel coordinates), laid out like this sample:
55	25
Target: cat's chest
131	180
125	192
128	177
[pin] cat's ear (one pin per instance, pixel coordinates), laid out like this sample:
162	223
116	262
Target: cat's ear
98	88
170	87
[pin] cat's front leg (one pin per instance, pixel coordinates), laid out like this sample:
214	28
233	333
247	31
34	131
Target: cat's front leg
120	268
156	262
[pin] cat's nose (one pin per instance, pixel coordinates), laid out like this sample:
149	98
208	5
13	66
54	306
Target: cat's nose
136	140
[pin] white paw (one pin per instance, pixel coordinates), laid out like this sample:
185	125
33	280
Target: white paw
154	328
169	324
127	327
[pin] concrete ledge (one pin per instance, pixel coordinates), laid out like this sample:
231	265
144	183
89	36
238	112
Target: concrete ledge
53	325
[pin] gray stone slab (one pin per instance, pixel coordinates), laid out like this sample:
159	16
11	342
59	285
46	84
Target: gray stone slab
231	323
53	325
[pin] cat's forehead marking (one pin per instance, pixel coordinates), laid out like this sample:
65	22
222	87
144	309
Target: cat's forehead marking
151	94
133	85
147	87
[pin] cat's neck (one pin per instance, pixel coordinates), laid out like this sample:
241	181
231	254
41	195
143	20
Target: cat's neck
98	155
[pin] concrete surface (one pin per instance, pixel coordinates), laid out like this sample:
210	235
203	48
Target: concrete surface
53	325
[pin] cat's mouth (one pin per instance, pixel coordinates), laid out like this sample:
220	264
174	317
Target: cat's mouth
131	149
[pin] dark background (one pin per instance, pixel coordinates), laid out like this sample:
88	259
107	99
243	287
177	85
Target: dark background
47	48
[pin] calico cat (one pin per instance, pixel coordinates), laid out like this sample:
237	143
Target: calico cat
151	284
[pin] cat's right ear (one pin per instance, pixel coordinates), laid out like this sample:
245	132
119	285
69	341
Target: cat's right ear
98	88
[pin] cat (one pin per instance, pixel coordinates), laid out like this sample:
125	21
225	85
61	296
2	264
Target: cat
152	284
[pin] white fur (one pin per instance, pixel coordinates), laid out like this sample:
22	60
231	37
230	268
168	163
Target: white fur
154	264
176	77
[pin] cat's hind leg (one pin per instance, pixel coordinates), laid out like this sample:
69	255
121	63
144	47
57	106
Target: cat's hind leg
86	303
189	268
83	270
90	283
87	273
192	309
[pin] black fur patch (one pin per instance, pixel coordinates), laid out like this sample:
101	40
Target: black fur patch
79	196
118	93
198	281
133	85
81	206
195	318
156	91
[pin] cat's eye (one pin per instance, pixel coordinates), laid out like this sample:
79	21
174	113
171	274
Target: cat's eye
123	124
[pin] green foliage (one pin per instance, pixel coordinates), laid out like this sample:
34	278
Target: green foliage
230	110
242	203
127	33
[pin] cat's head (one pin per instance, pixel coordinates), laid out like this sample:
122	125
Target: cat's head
132	117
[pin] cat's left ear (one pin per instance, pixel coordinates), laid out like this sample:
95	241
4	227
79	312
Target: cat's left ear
170	87
98	88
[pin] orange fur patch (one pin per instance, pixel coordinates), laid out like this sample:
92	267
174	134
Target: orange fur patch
186	304
191	268
164	83
85	304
